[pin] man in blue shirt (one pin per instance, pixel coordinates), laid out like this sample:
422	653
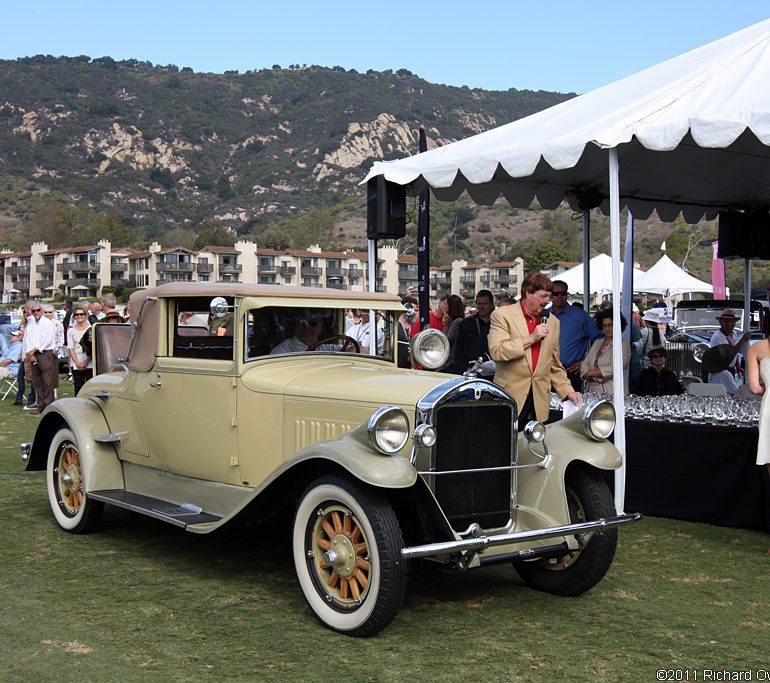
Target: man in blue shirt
9	361
578	331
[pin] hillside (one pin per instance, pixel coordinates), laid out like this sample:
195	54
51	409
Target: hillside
134	152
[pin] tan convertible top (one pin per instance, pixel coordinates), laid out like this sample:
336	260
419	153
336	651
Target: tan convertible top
144	307
174	289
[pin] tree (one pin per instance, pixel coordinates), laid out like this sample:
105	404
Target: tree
213	233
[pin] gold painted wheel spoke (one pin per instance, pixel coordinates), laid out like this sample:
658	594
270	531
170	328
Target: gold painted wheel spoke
363	564
347	525
323	543
357	534
334	579
344	589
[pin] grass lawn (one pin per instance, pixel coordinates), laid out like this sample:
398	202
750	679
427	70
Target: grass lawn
143	601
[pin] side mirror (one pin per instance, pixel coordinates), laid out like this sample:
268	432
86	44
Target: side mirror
218	306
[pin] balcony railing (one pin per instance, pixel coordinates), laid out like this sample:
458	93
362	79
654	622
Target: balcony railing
336	272
355	272
503	279
287	270
267	270
485	279
45	268
43	284
18	270
406	274
118	267
204	267
336	285
230	268
174	267
82	282
79	267
310	271
468	280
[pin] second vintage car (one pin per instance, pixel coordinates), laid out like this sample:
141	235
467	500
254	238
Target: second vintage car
224	401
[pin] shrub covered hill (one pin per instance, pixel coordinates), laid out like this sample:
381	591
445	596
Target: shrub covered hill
166	148
94	148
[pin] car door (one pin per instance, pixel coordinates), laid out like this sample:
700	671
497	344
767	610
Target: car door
188	406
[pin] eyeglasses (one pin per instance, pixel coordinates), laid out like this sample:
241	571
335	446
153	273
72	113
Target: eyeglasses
558	293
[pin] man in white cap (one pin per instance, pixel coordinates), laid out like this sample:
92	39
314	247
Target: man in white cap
727	334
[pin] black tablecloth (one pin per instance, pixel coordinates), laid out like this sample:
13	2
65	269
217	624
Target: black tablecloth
698	473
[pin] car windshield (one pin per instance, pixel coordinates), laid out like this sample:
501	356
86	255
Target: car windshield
278	330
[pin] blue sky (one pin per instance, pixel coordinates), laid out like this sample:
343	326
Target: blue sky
556	45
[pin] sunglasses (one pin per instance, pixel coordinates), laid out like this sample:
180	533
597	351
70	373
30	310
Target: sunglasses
36	310
657	355
79	315
558	293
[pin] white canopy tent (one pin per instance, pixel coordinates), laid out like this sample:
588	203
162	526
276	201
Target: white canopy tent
600	273
668	279
689	135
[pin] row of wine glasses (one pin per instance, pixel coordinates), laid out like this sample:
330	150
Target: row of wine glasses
713	410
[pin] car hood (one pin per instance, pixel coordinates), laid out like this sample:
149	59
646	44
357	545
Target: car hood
340	379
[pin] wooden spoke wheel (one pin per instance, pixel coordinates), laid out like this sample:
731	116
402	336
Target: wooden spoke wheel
66	487
347	552
348	343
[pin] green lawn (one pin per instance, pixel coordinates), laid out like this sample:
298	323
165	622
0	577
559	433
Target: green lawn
144	601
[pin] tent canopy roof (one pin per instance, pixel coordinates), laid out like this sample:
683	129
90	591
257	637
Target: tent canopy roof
600	268
667	278
708	110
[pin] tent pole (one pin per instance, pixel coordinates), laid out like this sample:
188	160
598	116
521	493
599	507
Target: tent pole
423	247
586	259
746	304
618	395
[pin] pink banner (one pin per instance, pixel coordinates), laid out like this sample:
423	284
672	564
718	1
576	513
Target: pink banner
717	272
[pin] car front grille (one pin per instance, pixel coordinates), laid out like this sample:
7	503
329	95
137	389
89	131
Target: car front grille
474	436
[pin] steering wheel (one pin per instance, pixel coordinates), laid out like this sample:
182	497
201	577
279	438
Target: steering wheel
347	343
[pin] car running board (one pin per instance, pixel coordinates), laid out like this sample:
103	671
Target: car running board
178	514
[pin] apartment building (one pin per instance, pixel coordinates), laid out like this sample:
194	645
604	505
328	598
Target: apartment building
87	270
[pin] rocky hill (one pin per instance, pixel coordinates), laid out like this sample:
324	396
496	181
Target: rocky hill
163	147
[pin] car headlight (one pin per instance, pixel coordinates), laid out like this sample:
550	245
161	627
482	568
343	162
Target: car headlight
388	429
425	436
534	431
429	349
599	420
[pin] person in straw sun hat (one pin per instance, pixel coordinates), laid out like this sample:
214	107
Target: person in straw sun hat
727	334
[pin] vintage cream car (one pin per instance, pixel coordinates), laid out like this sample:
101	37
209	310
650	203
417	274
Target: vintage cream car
224	401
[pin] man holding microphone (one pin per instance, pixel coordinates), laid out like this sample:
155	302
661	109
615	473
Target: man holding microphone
524	342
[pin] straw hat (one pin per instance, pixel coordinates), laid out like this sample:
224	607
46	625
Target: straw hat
727	314
719	357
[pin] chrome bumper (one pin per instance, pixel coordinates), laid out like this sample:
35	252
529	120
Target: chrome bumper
479	543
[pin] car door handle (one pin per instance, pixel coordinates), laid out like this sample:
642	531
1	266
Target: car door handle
156	385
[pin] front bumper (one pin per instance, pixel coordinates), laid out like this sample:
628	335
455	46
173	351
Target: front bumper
478	544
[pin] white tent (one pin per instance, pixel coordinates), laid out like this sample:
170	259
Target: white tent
600	270
691	134
667	278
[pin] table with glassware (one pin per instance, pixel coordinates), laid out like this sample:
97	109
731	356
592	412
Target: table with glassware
694	458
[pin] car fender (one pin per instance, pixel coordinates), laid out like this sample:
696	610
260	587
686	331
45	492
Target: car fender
83	417
354	453
541	490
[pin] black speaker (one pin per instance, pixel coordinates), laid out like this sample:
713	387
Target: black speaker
744	234
385	209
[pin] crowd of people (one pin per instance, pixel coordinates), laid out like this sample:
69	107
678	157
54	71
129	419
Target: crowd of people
31	353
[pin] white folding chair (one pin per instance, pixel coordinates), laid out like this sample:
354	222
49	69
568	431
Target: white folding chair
7	387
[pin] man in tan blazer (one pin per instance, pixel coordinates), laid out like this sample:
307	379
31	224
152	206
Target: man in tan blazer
525	345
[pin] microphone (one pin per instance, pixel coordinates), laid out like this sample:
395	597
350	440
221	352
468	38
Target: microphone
544	316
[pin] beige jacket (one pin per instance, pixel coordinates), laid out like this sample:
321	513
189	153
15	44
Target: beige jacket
507	331
603	361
